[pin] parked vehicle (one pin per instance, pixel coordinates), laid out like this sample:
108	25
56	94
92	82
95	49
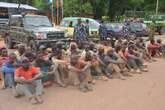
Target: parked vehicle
114	29
32	30
8	9
93	25
138	29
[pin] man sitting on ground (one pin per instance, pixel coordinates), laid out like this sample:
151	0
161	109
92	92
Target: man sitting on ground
60	63
153	48
113	64
135	60
3	59
30	54
20	51
45	69
80	74
28	79
162	47
8	69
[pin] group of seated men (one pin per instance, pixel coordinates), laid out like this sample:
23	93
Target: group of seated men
27	71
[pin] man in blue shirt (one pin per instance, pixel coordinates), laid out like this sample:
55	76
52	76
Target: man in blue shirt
8	69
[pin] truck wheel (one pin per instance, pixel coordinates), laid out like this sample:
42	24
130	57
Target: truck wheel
9	43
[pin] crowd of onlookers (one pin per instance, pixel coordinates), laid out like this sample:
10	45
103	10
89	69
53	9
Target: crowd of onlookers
26	71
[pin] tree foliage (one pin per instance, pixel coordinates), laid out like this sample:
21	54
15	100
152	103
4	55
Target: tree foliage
77	8
97	8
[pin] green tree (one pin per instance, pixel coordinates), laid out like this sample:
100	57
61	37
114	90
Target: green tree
77	8
115	9
100	7
97	8
40	4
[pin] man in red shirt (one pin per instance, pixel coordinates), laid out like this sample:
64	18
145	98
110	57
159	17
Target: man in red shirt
29	82
153	48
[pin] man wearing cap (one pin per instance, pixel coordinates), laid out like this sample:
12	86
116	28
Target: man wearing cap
28	79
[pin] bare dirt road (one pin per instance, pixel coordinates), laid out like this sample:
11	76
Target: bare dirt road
140	92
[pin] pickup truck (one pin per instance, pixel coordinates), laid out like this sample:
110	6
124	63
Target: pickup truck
31	30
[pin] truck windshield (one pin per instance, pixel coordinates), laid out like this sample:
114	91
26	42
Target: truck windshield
136	26
37	21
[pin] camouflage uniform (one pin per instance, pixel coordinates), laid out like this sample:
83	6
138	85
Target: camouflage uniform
102	32
80	33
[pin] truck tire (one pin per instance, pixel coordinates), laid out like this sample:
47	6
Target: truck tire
9	43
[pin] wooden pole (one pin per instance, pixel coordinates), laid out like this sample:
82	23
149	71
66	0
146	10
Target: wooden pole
57	11
157	7
53	12
62	8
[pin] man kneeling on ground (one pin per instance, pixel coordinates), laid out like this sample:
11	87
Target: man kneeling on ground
28	79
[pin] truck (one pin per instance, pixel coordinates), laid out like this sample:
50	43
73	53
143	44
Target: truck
21	24
31	30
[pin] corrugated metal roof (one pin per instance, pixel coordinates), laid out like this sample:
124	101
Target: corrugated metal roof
14	5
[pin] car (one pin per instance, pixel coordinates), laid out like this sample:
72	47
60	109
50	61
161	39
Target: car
32	30
93	25
138	29
115	29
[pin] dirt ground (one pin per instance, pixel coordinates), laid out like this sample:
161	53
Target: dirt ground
141	92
